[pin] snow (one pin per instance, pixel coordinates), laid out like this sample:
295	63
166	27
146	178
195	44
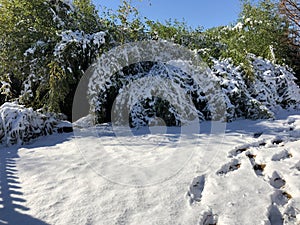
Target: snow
85	122
140	89
5	88
33	49
238	26
78	37
247	175
247	20
27	93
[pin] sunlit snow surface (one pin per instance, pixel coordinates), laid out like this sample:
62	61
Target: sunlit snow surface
249	175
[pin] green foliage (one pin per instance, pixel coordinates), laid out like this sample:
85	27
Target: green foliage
22	24
58	85
178	32
260	30
86	16
30	31
124	25
263	30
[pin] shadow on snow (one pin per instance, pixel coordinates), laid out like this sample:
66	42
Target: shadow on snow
12	209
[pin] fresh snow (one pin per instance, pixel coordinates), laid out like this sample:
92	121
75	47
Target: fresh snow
249	175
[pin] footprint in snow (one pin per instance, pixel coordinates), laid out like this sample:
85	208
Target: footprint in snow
208	218
196	188
291	213
285	216
257	134
277	181
277	141
233	165
239	150
275	216
280	197
258	168
281	155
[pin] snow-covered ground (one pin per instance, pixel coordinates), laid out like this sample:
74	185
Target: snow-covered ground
249	175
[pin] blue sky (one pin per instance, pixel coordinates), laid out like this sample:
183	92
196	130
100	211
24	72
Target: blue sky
206	13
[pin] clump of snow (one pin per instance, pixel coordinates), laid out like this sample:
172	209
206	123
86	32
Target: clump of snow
32	50
79	37
27	92
19	125
238	26
85	122
239	101
162	82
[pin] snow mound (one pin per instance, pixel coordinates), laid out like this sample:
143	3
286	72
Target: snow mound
85	122
19	125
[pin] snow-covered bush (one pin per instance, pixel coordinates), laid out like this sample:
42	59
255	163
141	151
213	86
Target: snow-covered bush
136	92
19	125
161	91
43	56
274	85
240	102
272	89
